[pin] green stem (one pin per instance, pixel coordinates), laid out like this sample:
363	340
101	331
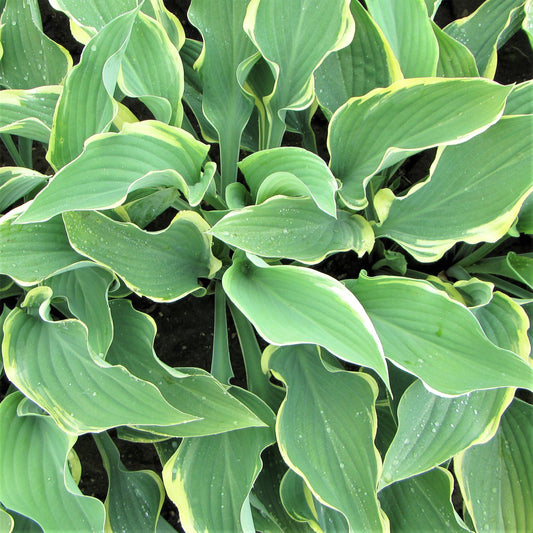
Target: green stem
507	286
12	149
258	382
481	252
229	157
221	362
25	150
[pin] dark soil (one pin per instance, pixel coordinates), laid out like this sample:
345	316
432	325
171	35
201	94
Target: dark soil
185	327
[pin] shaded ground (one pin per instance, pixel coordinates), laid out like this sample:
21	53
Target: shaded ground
184	335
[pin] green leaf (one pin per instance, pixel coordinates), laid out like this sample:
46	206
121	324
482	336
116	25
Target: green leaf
433	429
51	363
294	228
163	265
6	521
366	63
93	16
409	32
86	105
210	478
325	431
30	253
518	267
16	182
494	16
444	353
29	59
29	113
290	171
496	478
266	499
86	290
134	499
152	70
295	305
225	47
294	38
144	154
375	131
422	503
527	24
36	481
148	204
455	59
520	99
188	390
457	204
302	505
525	216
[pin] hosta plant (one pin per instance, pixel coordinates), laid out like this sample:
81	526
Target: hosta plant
382	316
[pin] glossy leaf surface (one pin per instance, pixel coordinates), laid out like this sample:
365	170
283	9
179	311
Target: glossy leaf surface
51	363
163	265
294	305
293	228
444	353
36	480
379	129
325	432
143	154
463	200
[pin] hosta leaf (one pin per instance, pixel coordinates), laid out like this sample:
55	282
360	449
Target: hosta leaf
95	15
31	252
494	16
422	503
520	101
29	113
432	6
366	63
29	59
152	70
86	105
518	267
50	362
455	59
325	430
295	305
527	24
303	506
295	37
210	478
266	498
86	290
16	182
157	10
36	481
197	393
134	499
6	521
293	228
144	154
375	131
226	45
525	216
457	204
192	93
290	171
163	265
3	316
444	353
433	429
496	478
149	204
408	30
